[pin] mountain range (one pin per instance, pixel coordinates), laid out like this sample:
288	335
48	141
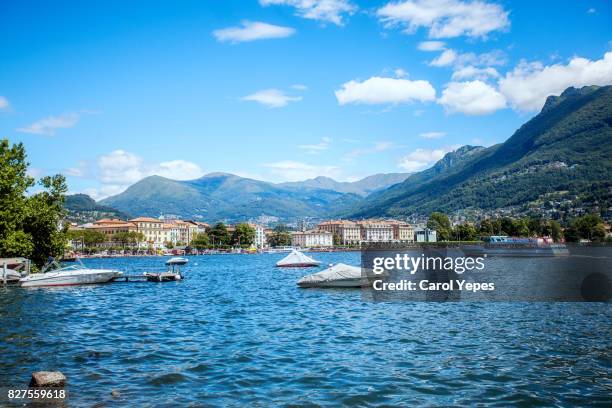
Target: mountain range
563	153
223	196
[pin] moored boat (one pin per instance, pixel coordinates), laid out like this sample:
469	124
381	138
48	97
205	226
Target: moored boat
55	275
177	260
501	245
336	276
296	259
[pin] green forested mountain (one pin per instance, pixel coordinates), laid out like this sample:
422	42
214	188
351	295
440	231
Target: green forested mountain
83	208
222	196
565	150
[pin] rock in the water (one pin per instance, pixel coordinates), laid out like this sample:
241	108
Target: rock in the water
48	379
115	394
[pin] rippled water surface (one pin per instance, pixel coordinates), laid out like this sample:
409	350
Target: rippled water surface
237	331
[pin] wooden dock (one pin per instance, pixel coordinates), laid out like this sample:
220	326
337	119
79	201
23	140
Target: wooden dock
151	277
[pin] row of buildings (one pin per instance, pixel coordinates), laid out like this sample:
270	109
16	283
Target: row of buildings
355	232
160	233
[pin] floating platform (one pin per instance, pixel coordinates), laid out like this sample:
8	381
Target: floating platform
151	277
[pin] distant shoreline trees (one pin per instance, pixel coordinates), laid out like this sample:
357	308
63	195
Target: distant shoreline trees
589	227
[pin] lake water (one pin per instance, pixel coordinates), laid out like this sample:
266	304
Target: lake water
237	332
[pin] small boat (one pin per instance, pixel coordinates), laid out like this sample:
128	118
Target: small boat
13	269
173	273
280	249
9	275
177	260
336	276
502	245
53	274
163	276
296	259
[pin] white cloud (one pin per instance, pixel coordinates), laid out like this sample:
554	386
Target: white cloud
289	170
35	172
119	169
400	73
4	103
445	59
420	159
104	191
471	98
299	87
80	170
318	147
433	135
377	90
454	58
529	84
178	170
446	18
272	98
471	72
49	125
251	31
431	46
376	148
331	11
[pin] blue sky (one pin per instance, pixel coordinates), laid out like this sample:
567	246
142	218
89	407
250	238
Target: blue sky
110	92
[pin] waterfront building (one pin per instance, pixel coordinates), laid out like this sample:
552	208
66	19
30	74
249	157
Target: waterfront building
260	236
111	227
171	234
202	227
376	231
152	229
348	232
425	235
402	231
312	238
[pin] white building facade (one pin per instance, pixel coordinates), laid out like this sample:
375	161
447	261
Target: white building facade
312	238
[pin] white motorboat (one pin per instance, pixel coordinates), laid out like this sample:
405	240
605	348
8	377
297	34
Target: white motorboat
13	269
296	259
9	275
177	260
54	274
336	276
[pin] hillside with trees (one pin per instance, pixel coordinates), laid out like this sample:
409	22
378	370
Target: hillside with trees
565	152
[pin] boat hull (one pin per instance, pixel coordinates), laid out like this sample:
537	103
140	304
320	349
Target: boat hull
344	283
298	265
516	250
69	279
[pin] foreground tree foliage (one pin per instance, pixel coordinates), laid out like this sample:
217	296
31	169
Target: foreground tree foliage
29	224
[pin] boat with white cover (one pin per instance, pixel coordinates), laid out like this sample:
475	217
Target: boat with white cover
177	260
296	259
54	274
336	276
